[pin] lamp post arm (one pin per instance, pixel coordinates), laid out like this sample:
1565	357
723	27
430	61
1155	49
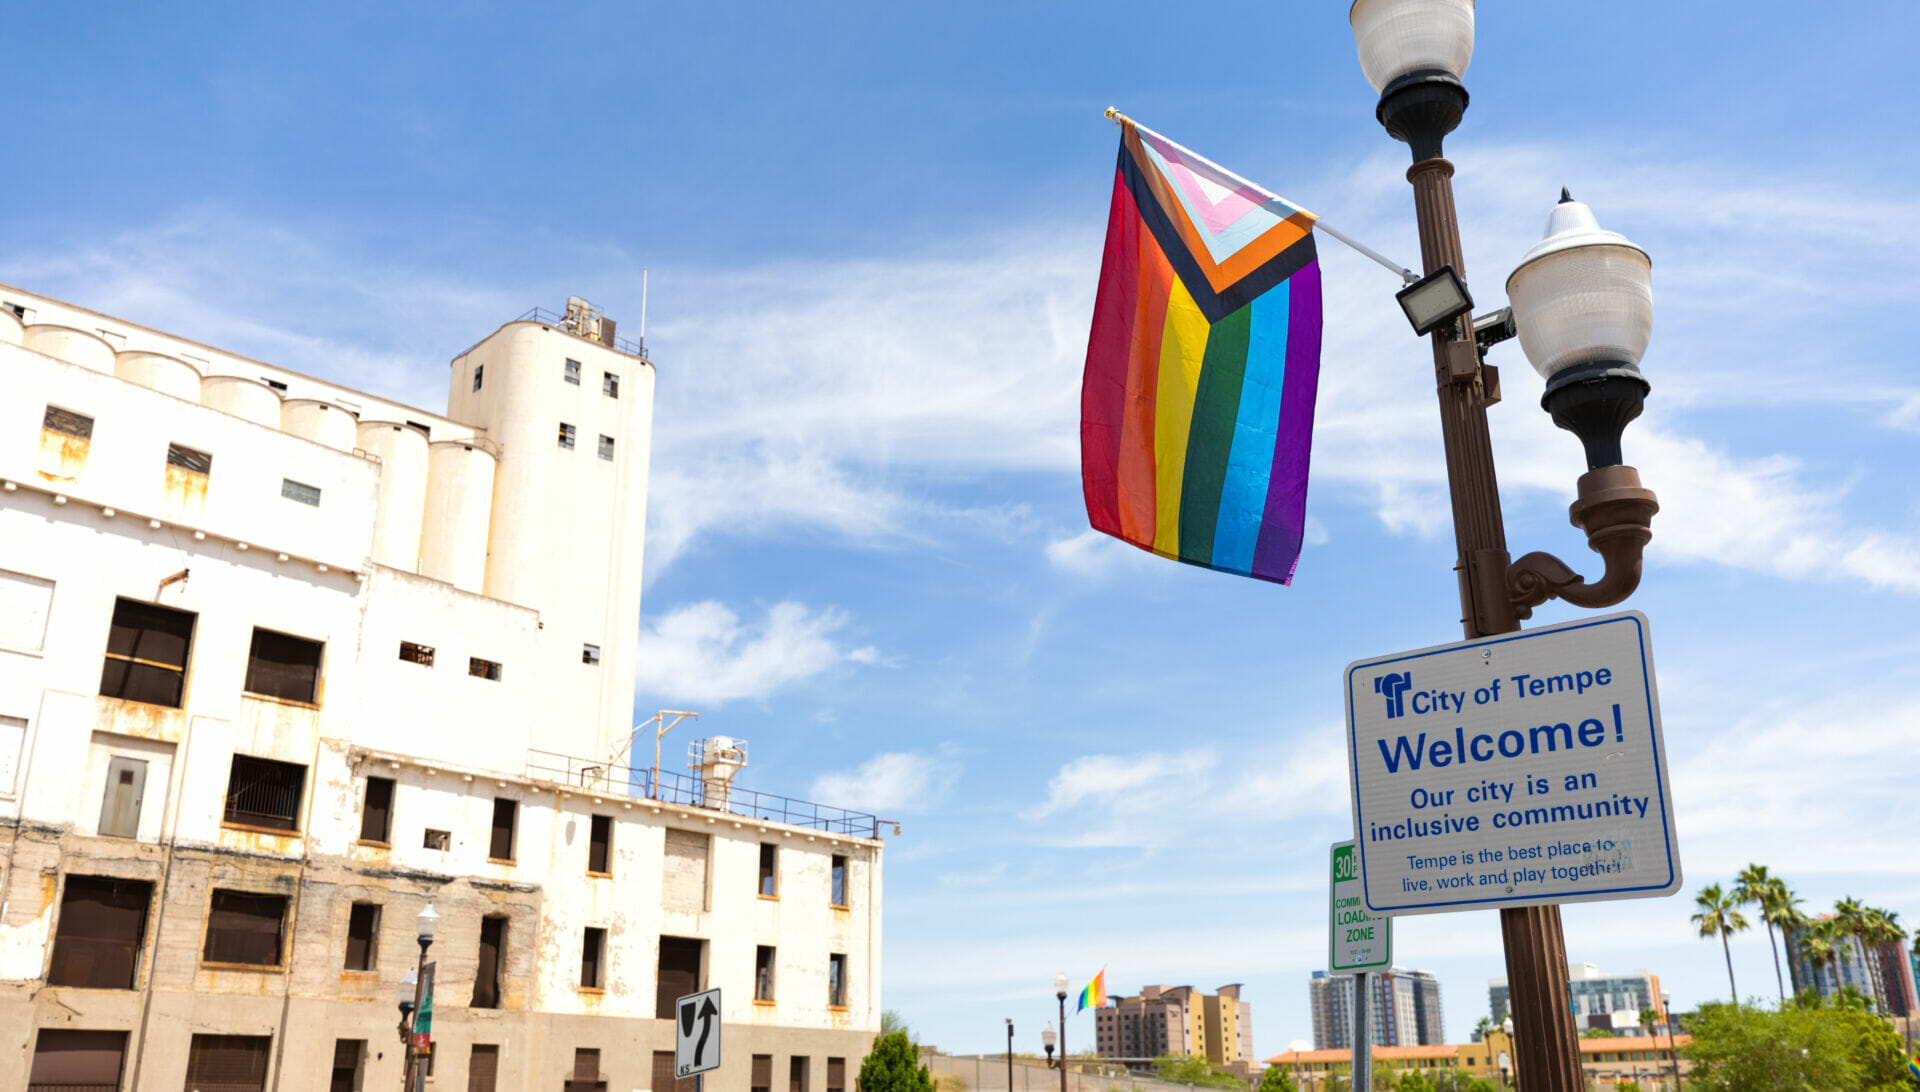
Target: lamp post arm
1616	512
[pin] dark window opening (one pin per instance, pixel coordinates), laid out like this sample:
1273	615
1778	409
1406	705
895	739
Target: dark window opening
363	936
610	384
189	459
768	856
283	666
762	1073
573	372
376	815
606	448
663	1079
483	1068
274	383
425	430
678	974
483	669
492	964
67	423
590	654
96	945
347	1054
797	1066
245	927
600	845
479	375
762	973
837	885
586	1071
836	1075
262	792
837	980
147	648
76	1060
566	436
228	1063
416	654
593	956
438	839
505	812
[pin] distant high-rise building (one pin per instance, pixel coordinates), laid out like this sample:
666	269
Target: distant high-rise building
1406	1009
1611	1002
1176	1020
1883	972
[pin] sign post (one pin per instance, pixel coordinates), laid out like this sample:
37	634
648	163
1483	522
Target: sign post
1357	942
1520	769
696	1035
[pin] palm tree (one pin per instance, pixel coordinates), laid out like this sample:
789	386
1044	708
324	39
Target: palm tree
1882	928
1782	911
1755	886
1855	919
1720	913
1481	1029
1818	949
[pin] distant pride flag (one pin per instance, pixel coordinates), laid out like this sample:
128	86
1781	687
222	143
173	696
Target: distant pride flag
1095	995
1196	409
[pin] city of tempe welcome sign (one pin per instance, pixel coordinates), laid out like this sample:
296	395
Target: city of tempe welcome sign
1513	770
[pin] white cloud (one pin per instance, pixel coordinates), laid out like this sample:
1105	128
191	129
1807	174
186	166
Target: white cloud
704	654
894	782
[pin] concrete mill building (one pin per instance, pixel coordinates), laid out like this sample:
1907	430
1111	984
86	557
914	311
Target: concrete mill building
281	663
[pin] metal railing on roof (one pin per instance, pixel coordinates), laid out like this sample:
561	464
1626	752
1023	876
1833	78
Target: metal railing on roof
630	346
688	790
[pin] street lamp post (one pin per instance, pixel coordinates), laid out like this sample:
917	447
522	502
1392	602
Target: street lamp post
1666	1006
1060	993
1009	1054
1582	306
411	991
1046	1042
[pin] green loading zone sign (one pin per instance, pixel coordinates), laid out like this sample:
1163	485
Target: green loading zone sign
1356	940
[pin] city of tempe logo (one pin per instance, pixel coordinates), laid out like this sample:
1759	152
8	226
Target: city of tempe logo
1394	686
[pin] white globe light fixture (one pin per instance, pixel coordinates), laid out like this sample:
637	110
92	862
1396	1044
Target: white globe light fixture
426	925
1582	301
1414	53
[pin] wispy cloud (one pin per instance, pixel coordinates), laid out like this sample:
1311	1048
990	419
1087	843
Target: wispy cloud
894	782
706	654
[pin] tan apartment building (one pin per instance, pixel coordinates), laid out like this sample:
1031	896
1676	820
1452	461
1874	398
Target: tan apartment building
283	664
1178	1020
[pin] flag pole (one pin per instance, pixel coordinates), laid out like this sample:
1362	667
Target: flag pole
1406	275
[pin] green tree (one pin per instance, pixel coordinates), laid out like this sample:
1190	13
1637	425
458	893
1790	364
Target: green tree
1782	911
1596	1033
1180	1069
1649	1019
1755	1050
893	1065
1481	1029
1756	887
1276	1079
1412	1081
1855	920
1719	914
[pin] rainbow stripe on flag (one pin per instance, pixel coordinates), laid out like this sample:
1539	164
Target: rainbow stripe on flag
1913	1067
1196	408
1095	995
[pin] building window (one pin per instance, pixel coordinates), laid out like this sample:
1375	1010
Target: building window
836	1075
438	839
590	654
493	957
763	973
67	1058
663	1079
263	792
300	491
769	868
24	603
586	1071
96	944
593	953
67	423
483	669
483	1067
283	666
566	436
479	375
416	654
678	973
606	448
228	1063
610	384
505	812
244	927
762	1073
363	936
600	845
837	980
573	372
837	883
274	383
376	814
347	1055
797	1066
147	648
190	460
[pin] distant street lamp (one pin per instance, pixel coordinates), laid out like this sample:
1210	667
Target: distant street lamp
1060	993
1009	1054
1666	1006
1046	1040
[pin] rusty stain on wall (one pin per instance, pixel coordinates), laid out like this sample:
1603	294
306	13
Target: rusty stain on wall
186	489
62	456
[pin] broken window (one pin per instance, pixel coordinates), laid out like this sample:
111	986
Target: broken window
147	648
67	1059
264	792
610	384
573	372
416	654
566	435
191	460
762	973
837	885
678	974
96	944
600	845
363	936
283	666
837	980
483	1067
593	959
376	815
438	839
768	856
228	1063
300	491
493	955
483	669
606	447
505	812
67	423
245	927
589	654
347	1055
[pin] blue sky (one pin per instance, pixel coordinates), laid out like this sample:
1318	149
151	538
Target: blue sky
873	235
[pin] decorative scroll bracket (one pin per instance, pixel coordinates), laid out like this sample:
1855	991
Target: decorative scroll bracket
1616	512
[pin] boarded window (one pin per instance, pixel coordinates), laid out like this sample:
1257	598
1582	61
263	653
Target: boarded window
189	459
24	603
493	955
762	973
347	1055
376	815
566	436
147	648
505	813
769	868
263	792
836	1075
663	1079
606	448
73	1060
610	384
762	1073
797	1067
483	669
363	936
586	1071
67	423
837	884
97	942
573	372
837	980
228	1063
679	973
683	884
302	492
483	1067
479	375
589	654
245	927
416	654
593	959
283	666
600	845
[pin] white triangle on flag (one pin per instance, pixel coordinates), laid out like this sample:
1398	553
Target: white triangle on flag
1214	191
